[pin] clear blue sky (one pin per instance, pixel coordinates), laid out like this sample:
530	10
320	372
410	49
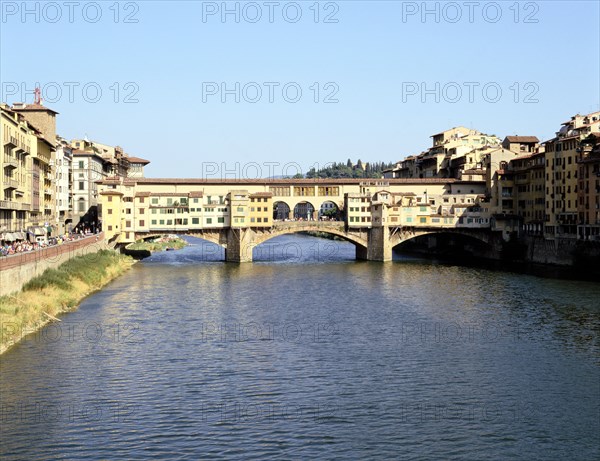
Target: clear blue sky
370	57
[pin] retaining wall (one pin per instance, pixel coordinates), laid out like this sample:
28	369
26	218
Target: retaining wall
17	270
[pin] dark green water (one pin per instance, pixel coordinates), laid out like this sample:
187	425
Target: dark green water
307	354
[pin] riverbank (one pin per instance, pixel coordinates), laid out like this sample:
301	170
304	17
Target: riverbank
56	291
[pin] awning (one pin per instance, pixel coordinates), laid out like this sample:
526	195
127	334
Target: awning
38	230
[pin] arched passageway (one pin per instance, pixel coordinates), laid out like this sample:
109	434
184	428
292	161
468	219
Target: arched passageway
281	211
329	211
304	211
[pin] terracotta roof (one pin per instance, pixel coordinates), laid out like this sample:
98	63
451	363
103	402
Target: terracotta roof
169	194
522	139
196	194
111	192
138	160
33	107
261	194
143	194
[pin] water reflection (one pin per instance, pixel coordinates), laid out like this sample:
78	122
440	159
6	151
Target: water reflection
188	357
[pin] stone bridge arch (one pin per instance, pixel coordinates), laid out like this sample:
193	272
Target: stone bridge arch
217	237
287	228
399	236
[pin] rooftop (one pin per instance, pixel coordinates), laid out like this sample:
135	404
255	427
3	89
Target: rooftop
525	139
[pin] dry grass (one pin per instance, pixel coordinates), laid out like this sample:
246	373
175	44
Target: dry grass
55	291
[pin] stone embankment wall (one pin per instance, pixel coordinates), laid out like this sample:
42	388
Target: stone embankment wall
564	252
17	270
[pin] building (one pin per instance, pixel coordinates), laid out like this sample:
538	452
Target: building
261	209
136	167
453	152
93	162
136	207
88	169
562	153
63	174
522	144
27	162
588	203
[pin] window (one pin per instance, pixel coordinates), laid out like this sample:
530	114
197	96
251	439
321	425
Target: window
423	219
155	201
81	185
109	198
162	221
109	211
221	220
109	228
251	220
153	211
81	164
127	223
153	222
141	199
240	209
142	223
141	210
195	220
208	220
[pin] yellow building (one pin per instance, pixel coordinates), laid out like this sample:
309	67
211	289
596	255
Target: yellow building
27	163
152	206
260	213
589	188
561	154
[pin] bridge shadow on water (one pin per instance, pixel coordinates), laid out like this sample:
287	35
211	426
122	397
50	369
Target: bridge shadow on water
457	251
305	249
285	249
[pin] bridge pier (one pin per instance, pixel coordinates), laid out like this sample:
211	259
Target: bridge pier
378	248
240	243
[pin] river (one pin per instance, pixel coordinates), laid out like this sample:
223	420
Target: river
308	354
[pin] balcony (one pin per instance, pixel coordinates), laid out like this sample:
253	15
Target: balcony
25	206
22	149
8	205
10	162
11	141
9	183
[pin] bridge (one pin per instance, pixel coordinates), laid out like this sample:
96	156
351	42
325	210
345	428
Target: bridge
238	215
373	244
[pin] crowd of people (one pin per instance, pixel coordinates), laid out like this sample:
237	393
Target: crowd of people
22	246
